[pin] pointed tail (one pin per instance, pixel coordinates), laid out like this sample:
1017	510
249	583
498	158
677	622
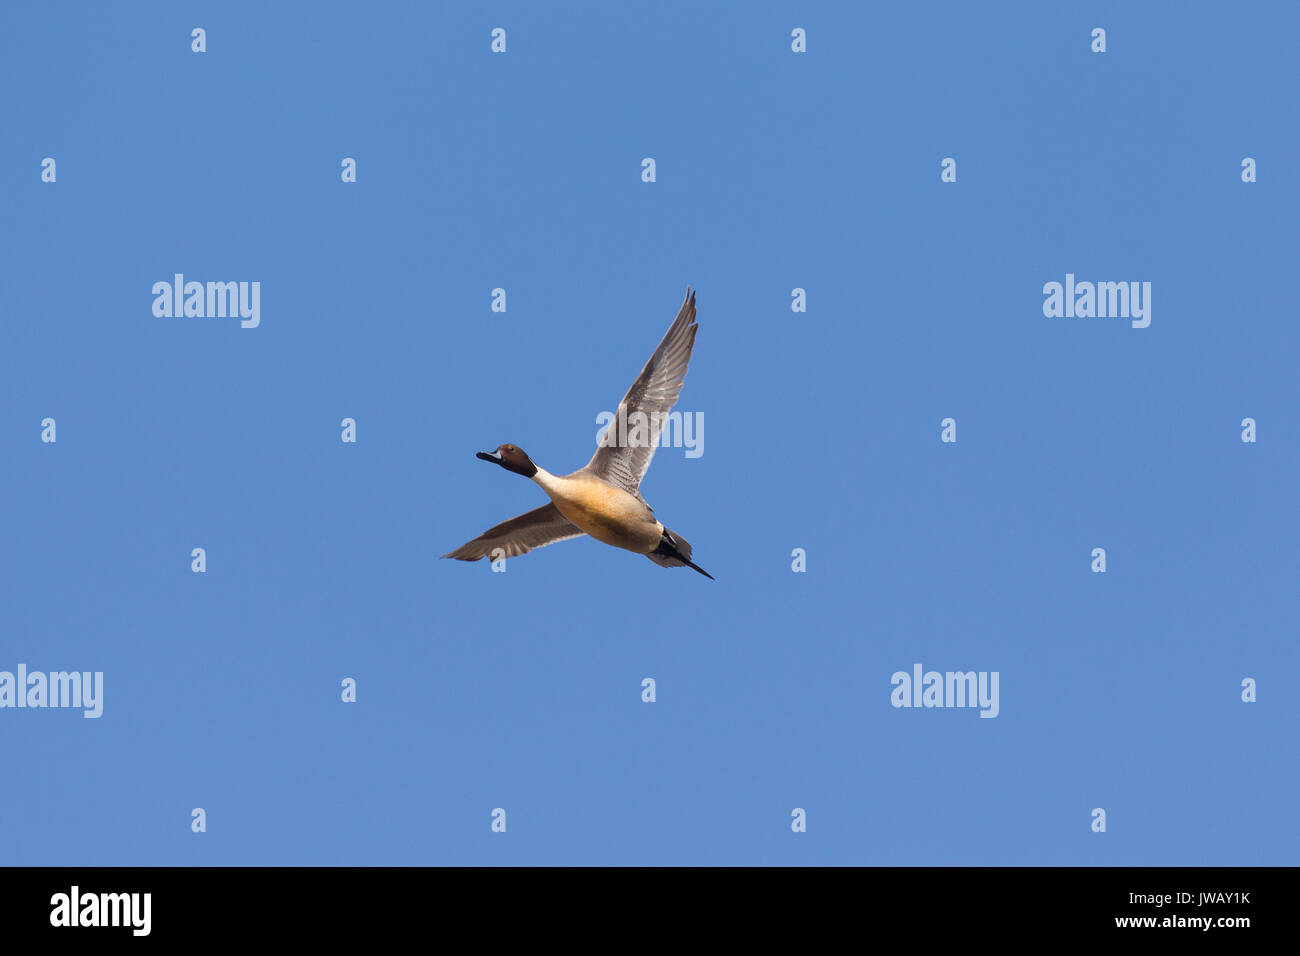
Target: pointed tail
674	551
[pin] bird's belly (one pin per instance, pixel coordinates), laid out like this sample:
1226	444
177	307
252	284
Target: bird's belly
610	515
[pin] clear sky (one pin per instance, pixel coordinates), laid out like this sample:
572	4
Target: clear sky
522	690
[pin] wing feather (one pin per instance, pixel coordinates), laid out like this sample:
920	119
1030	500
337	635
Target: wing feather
628	446
521	534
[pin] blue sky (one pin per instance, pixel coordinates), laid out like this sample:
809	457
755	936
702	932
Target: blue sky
775	171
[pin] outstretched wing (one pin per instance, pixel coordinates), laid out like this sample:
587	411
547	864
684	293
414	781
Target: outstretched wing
533	529
625	453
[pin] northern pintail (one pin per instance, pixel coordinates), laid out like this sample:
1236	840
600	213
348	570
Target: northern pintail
603	499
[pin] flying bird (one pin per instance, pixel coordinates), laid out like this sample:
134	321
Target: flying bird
603	498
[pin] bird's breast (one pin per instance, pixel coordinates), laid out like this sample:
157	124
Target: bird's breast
608	514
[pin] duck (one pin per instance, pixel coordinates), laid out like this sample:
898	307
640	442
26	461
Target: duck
603	498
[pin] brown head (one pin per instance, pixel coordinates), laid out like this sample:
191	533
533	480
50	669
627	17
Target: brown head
511	458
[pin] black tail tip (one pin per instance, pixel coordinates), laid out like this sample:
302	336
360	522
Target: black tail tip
692	564
677	551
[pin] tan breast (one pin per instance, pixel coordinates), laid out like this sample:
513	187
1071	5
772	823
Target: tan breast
608	514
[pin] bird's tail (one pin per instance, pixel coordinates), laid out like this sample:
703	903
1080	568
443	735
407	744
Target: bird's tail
674	551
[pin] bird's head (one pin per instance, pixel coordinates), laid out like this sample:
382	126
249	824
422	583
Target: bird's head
511	458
